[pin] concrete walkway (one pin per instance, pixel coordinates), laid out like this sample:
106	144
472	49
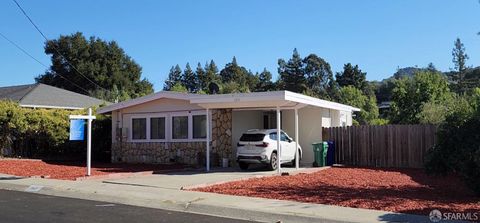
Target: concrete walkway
144	191
192	179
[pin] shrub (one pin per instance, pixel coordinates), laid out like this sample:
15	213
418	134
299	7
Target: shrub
44	132
458	146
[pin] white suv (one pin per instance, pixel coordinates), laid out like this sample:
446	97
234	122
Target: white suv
260	146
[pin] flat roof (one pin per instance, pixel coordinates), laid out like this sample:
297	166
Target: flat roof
269	99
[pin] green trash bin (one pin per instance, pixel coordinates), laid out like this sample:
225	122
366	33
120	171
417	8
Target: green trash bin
320	153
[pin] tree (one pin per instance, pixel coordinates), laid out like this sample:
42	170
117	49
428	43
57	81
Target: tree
174	77
211	75
292	74
353	76
233	73
411	95
190	79
311	75
104	63
459	60
355	97
178	87
319	76
264	81
201	76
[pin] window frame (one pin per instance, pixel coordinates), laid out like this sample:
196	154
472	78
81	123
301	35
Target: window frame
168	125
150	128
131	129
193	133
188	127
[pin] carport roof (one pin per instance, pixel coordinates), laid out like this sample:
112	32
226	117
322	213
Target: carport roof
270	99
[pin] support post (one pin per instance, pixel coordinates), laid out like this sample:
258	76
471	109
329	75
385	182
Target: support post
279	148
89	119
89	142
208	141
297	155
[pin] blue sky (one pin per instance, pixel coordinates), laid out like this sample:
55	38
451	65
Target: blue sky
378	35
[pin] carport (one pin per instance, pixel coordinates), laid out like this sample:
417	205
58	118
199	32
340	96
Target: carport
276	100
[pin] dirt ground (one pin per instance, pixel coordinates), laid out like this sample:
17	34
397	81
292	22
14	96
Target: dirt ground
74	170
396	190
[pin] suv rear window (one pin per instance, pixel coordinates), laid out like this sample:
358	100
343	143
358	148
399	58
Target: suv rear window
252	137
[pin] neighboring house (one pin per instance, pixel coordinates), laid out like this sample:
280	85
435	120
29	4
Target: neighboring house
46	96
171	126
384	108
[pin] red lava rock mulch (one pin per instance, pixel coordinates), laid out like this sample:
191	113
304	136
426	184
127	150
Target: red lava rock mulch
396	190
74	170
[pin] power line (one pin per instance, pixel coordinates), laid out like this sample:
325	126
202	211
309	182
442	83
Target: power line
38	61
53	45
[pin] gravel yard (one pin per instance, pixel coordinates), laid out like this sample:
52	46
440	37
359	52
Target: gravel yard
74	170
396	190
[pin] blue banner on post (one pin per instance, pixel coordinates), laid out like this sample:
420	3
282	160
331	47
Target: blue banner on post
77	129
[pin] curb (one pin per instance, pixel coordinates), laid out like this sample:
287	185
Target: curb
189	207
197	206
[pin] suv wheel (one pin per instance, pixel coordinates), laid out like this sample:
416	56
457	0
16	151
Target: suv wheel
273	161
243	165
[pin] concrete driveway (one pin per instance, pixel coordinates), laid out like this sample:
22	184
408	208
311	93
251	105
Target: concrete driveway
190	179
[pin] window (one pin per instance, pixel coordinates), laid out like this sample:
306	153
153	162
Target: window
180	127
199	126
157	128
283	137
273	136
139	128
252	137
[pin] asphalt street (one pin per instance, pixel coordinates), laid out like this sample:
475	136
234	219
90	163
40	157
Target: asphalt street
22	207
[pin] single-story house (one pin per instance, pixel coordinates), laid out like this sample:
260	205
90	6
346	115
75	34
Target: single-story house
46	96
172	126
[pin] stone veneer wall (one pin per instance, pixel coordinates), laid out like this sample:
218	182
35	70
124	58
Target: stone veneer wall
222	134
192	153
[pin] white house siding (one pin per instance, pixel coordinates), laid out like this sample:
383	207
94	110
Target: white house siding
243	121
311	120
164	105
309	129
186	151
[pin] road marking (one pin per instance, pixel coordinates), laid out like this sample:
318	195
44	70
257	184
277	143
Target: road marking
34	188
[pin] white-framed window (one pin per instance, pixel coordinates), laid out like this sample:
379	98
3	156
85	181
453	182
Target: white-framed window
180	126
185	126
199	126
158	126
139	128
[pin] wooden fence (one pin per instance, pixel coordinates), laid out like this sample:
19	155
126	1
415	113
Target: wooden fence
382	146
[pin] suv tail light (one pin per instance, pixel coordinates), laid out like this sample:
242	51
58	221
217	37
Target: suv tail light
264	144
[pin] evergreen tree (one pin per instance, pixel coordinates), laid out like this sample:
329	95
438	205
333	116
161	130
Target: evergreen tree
201	77
211	75
189	79
174	77
459	60
292	74
353	76
264	81
237	74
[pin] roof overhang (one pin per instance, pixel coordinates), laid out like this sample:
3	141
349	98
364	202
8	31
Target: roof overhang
271	99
